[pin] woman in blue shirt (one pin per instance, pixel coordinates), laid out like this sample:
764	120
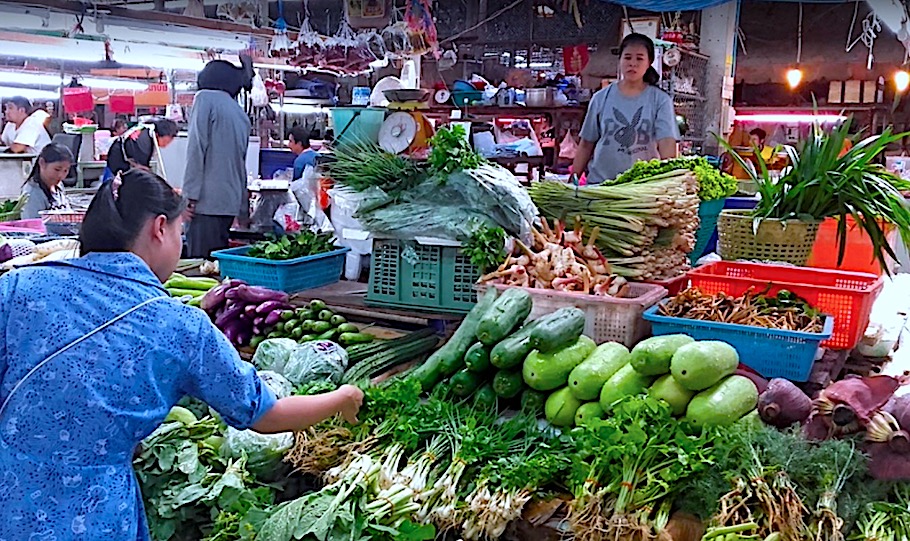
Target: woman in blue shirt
299	143
93	355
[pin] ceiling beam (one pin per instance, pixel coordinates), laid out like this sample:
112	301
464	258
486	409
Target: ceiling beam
73	6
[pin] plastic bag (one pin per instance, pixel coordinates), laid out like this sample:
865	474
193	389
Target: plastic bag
259	95
568	148
313	361
265	210
273	354
264	452
306	190
277	383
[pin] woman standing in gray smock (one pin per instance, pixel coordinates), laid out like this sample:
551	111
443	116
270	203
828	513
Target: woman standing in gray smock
629	120
44	187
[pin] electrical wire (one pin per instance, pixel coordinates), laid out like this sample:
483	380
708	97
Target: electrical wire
483	22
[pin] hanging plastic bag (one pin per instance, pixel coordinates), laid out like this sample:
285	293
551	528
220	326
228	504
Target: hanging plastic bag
568	148
307	191
259	95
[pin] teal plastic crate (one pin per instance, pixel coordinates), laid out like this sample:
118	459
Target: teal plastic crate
407	274
708	211
290	276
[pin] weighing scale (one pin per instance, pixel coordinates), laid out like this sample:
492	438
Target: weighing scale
406	129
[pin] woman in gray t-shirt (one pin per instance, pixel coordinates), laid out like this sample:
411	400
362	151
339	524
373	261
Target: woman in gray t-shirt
44	186
628	121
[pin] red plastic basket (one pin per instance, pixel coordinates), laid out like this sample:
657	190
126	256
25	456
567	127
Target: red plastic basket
672	285
848	296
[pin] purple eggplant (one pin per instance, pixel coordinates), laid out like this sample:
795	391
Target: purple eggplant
269	306
233	329
213	298
259	295
231	283
230	314
234	292
259	320
250	311
273	317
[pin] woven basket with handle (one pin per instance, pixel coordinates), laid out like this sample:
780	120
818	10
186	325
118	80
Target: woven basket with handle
788	241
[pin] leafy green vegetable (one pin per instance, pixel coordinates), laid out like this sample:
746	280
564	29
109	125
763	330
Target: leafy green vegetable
451	151
363	166
712	183
486	247
821	182
186	483
8	206
286	247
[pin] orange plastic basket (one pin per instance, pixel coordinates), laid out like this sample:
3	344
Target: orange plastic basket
848	296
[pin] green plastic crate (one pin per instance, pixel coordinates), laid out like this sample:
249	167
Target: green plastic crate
407	274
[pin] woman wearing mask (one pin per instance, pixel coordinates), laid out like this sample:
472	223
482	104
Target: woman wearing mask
630	120
94	355
44	186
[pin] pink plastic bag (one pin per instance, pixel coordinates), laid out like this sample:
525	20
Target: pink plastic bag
23	226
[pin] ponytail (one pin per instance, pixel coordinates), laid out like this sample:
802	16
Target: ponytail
651	76
119	211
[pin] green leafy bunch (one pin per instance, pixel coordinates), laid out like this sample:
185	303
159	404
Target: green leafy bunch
362	166
712	183
187	484
286	247
485	247
823	182
451	151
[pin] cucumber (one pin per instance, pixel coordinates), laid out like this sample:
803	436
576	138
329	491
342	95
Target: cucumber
450	357
508	312
337	320
320	327
308	338
279	327
477	359
464	383
326	315
296	333
625	382
512	351
328	335
256	340
651	357
316	305
507	384
287	315
304	314
348	327
588	378
548	371
350	338
558	329
291	324
724	403
485	397
532	401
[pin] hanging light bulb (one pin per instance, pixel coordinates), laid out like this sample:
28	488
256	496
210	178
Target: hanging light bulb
794	77
902	80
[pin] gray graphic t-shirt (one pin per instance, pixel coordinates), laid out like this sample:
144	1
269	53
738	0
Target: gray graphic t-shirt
626	130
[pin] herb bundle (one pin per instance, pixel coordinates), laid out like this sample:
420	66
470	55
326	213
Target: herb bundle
286	247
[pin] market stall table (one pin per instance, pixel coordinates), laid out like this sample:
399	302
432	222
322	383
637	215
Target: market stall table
14	169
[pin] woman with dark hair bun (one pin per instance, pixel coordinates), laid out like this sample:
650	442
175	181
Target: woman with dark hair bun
630	120
44	186
93	355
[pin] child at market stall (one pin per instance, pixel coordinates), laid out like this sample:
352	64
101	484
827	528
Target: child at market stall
94	355
628	121
44	186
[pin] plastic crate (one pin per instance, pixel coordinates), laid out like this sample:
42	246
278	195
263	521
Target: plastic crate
290	276
407	274
848	296
770	352
708	211
607	319
672	285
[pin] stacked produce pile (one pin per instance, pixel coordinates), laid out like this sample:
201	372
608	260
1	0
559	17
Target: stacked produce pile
646	226
189	290
559	260
784	311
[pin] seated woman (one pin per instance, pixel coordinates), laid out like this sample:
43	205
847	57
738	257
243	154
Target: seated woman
44	186
136	147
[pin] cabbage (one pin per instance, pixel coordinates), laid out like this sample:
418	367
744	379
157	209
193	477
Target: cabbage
264	452
314	361
277	383
273	354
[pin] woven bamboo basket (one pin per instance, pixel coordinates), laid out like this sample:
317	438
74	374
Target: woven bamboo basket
788	241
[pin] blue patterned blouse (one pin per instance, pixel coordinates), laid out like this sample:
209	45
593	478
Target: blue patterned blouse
68	433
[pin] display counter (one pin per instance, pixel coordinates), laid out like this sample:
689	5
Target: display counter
14	169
